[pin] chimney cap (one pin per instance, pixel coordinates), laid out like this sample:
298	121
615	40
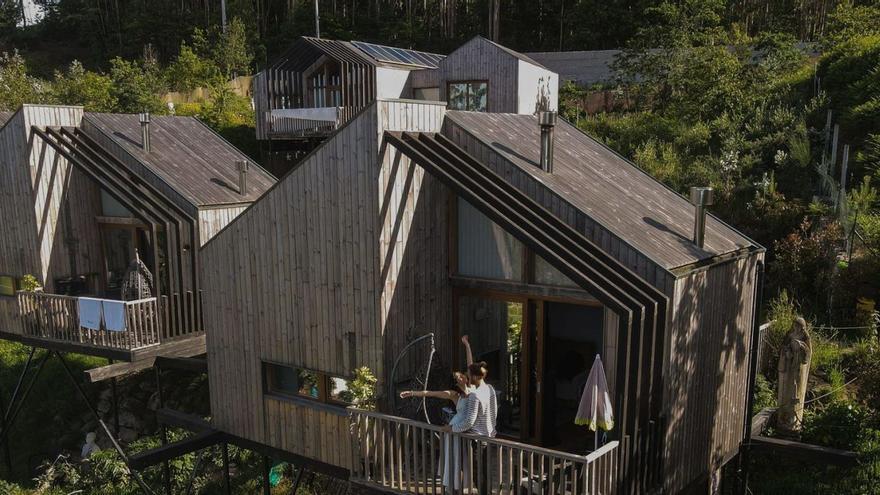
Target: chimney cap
547	118
144	117
702	196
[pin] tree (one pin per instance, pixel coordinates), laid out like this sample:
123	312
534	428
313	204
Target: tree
78	86
849	20
136	86
190	71
10	16
232	53
16	85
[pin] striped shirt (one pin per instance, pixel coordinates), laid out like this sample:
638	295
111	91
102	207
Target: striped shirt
481	412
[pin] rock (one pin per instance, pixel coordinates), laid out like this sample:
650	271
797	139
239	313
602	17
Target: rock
128	435
153	402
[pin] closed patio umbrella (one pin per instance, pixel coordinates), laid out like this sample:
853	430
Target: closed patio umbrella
594	410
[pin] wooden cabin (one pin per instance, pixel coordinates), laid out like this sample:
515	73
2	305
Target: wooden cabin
91	193
413	219
318	85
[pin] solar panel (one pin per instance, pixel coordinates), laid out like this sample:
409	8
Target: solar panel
404	56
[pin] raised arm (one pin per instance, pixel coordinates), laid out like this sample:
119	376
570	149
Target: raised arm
467	348
437	394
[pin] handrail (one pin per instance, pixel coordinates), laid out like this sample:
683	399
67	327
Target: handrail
499	441
409	456
56	317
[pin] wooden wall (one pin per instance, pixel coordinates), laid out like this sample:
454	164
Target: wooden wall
310	275
261	105
416	298
424	78
60	237
706	370
19	254
581	222
213	219
76	249
480	59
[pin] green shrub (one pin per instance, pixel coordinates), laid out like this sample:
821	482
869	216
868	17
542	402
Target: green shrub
29	283
838	424
782	315
765	395
826	354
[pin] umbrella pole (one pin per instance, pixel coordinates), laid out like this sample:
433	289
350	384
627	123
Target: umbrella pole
596	424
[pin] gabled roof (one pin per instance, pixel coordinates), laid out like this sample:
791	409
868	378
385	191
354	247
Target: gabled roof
509	51
606	187
580	67
305	50
188	156
4	117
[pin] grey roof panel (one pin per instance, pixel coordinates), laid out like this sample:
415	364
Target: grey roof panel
581	67
187	155
612	191
394	55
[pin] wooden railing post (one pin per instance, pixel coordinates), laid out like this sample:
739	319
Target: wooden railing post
409	456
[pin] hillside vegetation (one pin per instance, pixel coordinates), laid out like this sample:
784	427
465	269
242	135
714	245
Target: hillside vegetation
735	94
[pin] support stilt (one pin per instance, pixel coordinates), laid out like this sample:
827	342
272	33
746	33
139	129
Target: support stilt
7	454
115	403
299	475
9	419
226	481
166	467
27	367
194	472
266	469
119	450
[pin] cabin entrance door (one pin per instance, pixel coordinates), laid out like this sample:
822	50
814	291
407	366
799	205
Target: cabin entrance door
568	338
497	328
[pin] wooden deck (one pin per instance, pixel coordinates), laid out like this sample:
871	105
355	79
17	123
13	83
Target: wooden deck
51	321
401	455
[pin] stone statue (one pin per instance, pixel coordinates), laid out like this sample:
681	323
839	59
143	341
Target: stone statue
793	373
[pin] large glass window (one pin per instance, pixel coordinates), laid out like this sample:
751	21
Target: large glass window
471	96
485	250
547	274
494	328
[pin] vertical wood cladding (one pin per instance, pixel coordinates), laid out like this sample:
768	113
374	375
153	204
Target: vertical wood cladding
43	235
706	369
314	274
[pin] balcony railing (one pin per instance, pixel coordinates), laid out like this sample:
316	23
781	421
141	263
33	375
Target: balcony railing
280	124
413	457
56	317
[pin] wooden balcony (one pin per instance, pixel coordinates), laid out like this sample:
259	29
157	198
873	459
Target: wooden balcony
281	127
398	454
52	321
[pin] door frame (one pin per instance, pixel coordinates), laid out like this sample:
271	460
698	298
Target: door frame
534	334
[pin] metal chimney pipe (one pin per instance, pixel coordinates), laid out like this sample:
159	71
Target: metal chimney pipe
701	197
242	167
547	121
144	119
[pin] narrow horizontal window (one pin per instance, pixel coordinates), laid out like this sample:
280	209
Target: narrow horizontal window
338	390
7	286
